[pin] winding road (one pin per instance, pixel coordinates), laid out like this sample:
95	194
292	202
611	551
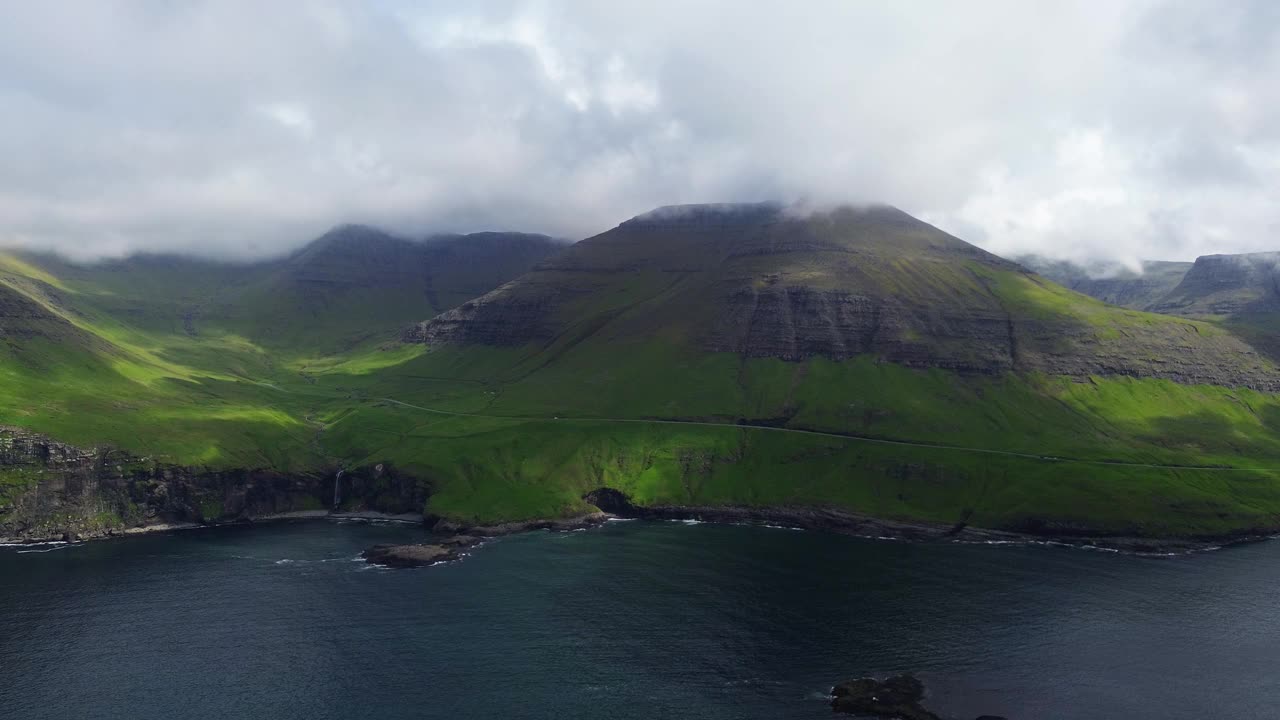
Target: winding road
823	433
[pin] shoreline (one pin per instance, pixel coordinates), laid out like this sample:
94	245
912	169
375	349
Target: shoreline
164	527
843	522
840	522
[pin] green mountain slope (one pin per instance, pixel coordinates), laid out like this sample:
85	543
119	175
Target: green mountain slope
856	359
858	322
175	357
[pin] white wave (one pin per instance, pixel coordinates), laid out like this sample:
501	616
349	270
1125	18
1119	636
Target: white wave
63	546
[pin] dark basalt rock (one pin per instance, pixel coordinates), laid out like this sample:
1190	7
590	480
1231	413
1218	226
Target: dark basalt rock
468	536
497	319
797	323
555	525
53	490
896	697
405	556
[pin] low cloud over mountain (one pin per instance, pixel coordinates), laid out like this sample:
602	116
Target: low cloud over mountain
237	129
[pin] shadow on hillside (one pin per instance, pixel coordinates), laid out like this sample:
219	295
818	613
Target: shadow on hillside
1260	330
1209	433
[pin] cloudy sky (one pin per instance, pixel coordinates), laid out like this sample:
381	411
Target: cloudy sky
1076	129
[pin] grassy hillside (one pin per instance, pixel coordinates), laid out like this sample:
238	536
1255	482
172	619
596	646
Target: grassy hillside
174	357
966	351
545	442
858	359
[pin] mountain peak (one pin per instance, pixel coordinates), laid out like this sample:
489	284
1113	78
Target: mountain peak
731	214
707	214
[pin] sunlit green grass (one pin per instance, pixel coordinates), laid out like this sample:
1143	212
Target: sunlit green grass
220	399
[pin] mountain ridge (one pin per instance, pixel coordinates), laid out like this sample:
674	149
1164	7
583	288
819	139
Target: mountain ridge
841	284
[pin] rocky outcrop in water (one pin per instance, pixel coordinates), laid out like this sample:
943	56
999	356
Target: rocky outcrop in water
555	525
419	555
50	489
463	536
896	698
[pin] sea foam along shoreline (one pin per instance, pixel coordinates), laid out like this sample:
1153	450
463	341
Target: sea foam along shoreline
802	518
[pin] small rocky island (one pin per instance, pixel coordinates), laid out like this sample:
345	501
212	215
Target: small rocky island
418	555
896	698
463	537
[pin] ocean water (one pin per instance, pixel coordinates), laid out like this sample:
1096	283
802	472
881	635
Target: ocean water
632	620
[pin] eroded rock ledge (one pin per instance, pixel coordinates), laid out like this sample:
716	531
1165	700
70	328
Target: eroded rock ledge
418	555
461	537
51	490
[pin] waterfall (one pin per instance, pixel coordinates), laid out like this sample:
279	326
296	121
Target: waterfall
337	490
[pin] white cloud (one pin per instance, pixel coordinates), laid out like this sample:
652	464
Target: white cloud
291	116
1127	130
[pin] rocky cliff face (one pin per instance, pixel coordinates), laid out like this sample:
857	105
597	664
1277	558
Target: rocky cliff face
1218	285
798	323
23	319
50	489
762	282
981	336
498	318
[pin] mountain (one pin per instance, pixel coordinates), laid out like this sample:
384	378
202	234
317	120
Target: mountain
1214	286
694	358
1237	291
1226	285
357	284
1117	285
354	284
859	322
757	283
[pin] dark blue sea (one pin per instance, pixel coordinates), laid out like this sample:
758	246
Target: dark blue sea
632	620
